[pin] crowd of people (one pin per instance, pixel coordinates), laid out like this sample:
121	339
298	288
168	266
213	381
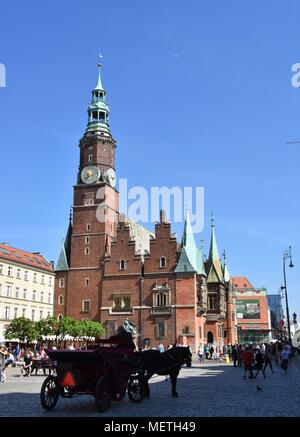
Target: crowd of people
252	356
23	357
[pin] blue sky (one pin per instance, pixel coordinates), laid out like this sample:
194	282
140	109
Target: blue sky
200	95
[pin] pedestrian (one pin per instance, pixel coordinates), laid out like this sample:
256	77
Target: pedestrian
248	361
201	353
3	356
279	352
16	352
285	359
10	359
211	351
234	356
268	359
161	347
259	362
206	351
27	364
229	351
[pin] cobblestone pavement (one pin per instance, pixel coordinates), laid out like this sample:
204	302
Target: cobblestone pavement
210	389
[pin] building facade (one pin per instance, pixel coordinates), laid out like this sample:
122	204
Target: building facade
111	268
26	286
275	305
252	312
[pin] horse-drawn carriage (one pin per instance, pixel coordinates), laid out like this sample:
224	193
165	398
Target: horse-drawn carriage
109	369
102	371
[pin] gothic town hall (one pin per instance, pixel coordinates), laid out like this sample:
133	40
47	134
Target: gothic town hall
112	269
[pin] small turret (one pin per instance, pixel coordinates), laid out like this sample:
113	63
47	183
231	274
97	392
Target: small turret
214	267
98	109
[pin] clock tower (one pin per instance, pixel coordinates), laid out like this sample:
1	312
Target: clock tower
95	217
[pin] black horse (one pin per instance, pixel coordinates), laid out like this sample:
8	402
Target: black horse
163	363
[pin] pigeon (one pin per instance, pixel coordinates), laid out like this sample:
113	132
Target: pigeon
258	387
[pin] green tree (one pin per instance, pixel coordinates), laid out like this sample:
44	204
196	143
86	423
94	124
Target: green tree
47	326
91	330
22	328
66	326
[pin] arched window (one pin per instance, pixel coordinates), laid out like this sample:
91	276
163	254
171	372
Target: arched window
122	264
60	317
61	283
163	262
210	337
60	300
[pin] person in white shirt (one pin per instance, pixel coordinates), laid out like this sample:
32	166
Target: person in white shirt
285	359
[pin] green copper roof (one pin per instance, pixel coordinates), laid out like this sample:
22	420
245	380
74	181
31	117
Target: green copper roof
215	273
213	252
184	264
190	258
62	263
98	109
64	256
99	86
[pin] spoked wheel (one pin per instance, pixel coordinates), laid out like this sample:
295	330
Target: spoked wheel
49	393
103	394
136	392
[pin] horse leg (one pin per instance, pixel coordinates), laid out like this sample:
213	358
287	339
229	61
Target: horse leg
173	377
146	385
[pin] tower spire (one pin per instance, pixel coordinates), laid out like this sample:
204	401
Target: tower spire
215	273
190	258
213	253
99	85
98	109
226	273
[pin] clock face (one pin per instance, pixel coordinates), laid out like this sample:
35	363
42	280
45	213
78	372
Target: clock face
110	177
90	174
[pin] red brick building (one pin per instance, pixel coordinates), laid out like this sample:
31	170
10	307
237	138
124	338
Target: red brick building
252	311
111	268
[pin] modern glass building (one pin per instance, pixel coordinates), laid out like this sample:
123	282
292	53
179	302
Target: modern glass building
275	305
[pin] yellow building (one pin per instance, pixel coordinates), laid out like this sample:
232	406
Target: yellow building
26	286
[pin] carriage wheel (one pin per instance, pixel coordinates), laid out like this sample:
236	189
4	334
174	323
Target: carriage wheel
103	394
49	393
136	392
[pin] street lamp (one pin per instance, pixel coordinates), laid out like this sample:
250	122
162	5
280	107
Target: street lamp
287	254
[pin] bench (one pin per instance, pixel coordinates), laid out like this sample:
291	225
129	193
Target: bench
38	363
